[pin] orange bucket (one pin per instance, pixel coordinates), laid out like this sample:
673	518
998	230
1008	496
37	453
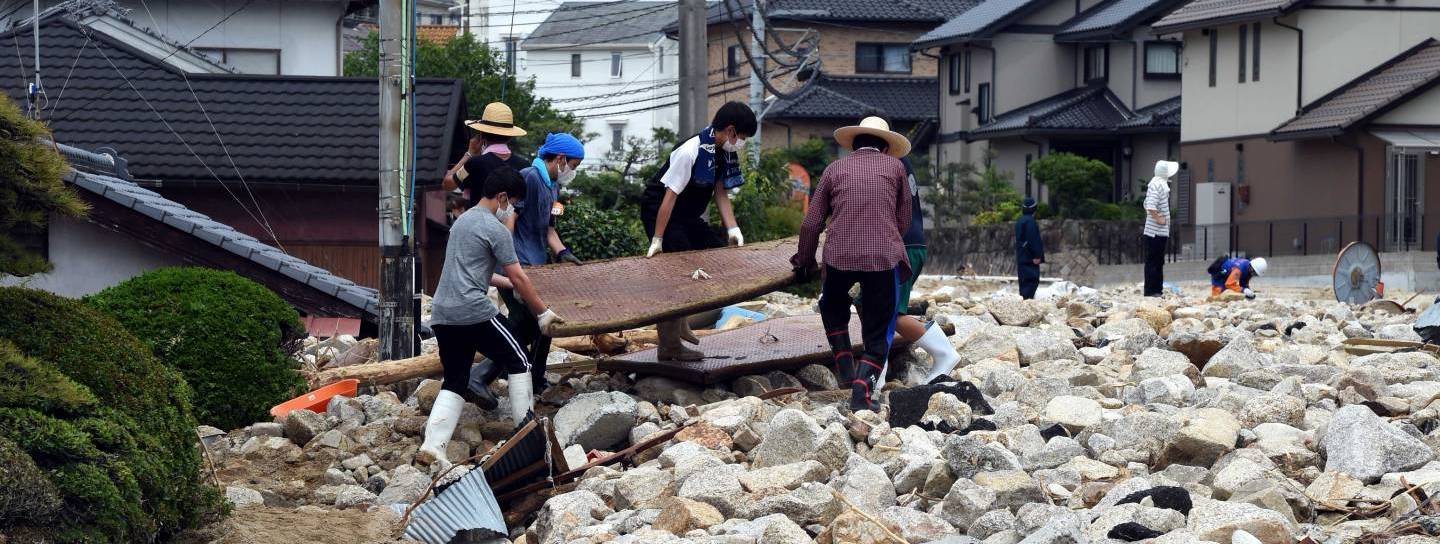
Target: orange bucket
317	400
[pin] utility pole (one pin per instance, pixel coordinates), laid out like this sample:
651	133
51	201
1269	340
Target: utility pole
757	71
694	72
397	258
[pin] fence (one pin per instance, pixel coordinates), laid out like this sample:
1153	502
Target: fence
1313	236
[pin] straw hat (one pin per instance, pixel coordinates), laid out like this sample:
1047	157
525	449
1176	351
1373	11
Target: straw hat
497	119
899	146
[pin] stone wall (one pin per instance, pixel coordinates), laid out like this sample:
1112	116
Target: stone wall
1074	250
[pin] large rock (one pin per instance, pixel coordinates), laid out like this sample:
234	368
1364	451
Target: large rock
302	425
564	513
719	487
643	487
1157	318
1208	434
1273	408
865	485
1013	488
1115	330
989	343
1036	347
596	420
406	484
1174	390
241	497
812	502
1075	413
1217	520
1238	357
916	526
658	389
784	477
1012	311
680	515
965	503
968	455
796	436
1363	445
1158	362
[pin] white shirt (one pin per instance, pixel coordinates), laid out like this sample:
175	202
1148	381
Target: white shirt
1157	198
682	161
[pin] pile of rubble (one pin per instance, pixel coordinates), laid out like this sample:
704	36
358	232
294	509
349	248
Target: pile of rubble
1094	417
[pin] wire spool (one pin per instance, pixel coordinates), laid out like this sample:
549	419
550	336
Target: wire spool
1356	275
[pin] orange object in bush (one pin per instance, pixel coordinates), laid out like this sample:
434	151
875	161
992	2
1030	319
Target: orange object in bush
317	400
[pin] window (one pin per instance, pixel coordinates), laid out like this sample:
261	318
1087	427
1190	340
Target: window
574	65
1096	59
1162	60
732	61
617	138
1244	41
511	44
437	19
886	58
967	70
984	105
1255	53
953	66
616	63
1214	47
247	61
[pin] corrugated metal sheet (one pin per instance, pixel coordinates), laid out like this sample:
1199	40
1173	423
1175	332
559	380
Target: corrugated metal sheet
466	505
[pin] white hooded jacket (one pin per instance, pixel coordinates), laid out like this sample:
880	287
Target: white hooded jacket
1157	198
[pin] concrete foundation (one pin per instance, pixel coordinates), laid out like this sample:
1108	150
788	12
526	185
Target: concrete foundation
1412	271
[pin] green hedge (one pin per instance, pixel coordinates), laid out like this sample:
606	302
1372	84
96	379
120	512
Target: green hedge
96	437
230	337
595	234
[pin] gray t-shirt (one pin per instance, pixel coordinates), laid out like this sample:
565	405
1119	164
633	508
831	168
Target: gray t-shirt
479	244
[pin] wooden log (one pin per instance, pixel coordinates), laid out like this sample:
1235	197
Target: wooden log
383	373
607	344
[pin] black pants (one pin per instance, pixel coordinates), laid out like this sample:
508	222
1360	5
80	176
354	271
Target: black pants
1155	264
685	234
527	327
458	344
1029	279
877	319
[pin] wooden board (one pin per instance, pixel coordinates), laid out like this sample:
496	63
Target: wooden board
774	344
620	294
1371	346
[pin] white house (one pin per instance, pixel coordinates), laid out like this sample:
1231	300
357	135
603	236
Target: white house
609	64
289	37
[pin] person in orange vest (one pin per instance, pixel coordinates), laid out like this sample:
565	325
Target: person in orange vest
1234	274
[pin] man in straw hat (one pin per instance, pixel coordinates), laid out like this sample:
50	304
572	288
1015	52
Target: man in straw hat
489	150
703	168
866	199
1029	250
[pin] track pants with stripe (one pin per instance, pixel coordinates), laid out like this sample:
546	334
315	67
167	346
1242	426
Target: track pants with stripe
494	337
877	321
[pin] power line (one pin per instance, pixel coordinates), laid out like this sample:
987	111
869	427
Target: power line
719	92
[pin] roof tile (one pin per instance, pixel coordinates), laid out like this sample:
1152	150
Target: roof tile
1386	86
848	97
1114	17
980	22
1200	13
1086	109
635	22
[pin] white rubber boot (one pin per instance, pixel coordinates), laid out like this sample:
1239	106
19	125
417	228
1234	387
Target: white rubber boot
880	383
935	343
444	415
522	396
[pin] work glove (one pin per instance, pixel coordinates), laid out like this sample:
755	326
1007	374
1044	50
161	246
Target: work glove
736	238
654	246
548	321
569	257
1249	293
803	275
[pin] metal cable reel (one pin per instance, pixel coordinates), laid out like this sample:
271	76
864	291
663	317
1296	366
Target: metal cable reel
1356	275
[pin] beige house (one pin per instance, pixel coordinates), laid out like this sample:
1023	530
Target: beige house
1023	78
1309	124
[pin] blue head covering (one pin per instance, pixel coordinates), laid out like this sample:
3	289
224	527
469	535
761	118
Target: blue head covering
562	144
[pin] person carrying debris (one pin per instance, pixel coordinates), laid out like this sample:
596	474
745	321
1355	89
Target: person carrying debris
1157	225
1234	273
703	168
489	150
1029	250
866	199
464	319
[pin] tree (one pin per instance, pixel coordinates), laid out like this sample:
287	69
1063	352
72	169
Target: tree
1077	184
32	189
483	72
964	191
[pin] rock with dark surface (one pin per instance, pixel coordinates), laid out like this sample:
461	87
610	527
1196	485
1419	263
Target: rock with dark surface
302	426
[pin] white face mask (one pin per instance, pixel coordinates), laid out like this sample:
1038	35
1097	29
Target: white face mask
567	174
734	146
506	212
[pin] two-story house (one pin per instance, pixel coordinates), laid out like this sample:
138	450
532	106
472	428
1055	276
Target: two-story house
1023	78
1320	119
272	37
859	63
611	65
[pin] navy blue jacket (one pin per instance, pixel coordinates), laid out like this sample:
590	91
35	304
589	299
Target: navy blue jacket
1028	245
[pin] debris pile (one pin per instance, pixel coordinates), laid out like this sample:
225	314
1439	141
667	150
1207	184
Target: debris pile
1089	417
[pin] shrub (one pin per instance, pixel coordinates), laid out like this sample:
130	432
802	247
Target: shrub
31	190
107	426
230	337
600	234
1073	180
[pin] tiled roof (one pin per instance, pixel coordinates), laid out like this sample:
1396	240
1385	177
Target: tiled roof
852	97
591	23
1203	13
440	34
1163	116
1113	18
278	129
207	231
983	21
1372	94
861	12
1087	109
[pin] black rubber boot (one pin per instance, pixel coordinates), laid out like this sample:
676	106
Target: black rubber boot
477	391
867	373
844	364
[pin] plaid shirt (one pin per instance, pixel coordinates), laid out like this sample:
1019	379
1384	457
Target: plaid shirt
866	197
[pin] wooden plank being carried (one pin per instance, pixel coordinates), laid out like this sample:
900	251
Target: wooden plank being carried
620	294
774	344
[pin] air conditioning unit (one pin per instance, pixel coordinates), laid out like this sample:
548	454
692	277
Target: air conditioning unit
1212	218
